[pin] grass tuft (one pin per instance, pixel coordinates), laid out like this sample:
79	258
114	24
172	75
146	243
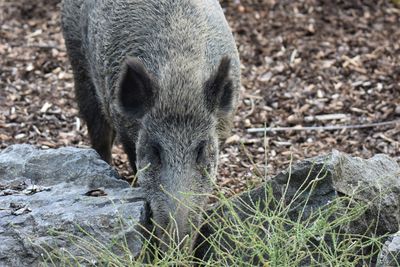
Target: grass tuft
271	232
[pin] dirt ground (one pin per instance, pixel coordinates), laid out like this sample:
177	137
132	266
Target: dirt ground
304	63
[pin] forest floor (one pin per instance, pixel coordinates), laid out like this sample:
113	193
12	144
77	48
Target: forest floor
304	63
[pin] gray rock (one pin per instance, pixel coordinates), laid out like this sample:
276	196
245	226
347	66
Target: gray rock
390	254
44	200
375	181
314	183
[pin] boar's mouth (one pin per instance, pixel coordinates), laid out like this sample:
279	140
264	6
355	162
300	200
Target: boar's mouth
173	229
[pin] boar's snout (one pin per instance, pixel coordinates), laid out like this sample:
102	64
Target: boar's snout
175	220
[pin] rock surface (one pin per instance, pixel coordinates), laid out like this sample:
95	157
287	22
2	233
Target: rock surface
390	254
46	196
47	193
375	182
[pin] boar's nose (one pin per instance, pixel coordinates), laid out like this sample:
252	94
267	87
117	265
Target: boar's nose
176	229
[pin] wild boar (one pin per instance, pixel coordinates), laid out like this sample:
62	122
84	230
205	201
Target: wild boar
164	77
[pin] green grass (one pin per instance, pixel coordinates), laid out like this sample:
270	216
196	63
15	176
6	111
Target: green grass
272	233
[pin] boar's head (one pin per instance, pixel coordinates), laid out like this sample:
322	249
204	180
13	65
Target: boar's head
170	134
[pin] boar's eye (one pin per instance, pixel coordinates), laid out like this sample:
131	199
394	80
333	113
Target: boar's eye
155	153
200	151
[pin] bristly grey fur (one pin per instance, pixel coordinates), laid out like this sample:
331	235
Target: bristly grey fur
177	47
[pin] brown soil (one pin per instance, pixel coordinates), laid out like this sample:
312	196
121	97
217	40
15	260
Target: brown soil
301	60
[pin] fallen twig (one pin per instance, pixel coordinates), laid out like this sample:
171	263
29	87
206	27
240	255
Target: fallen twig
44	46
326	117
321	128
37	45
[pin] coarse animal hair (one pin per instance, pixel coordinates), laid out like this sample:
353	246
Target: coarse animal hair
164	77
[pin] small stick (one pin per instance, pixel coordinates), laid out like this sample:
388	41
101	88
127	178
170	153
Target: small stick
324	128
44	46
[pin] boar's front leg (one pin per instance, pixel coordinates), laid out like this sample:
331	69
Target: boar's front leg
100	132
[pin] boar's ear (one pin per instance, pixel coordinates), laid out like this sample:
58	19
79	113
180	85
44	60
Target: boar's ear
136	89
218	89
